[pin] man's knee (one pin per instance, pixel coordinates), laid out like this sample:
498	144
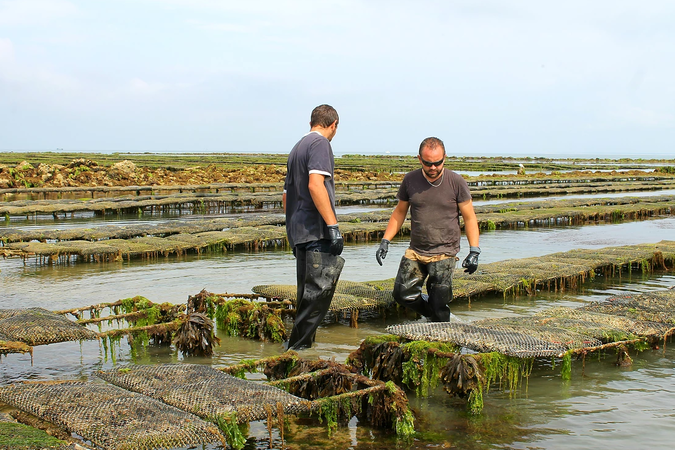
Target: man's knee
397	293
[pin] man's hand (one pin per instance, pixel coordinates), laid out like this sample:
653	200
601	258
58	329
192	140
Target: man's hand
470	263
336	241
381	252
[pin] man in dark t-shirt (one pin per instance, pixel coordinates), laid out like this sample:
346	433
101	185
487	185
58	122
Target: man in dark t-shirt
311	224
435	197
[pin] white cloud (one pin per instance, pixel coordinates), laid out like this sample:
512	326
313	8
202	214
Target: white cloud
6	51
227	27
34	12
638	116
142	87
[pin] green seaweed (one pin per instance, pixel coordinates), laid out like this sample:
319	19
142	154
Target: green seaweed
505	369
246	366
475	402
645	266
421	370
254	320
616	336
381	338
641	346
402	418
329	410
19	436
137	303
566	367
227	423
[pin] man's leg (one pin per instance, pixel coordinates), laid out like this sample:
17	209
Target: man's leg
322	271
439	287
408	286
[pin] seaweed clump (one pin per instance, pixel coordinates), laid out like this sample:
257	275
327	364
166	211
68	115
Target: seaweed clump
420	366
254	320
196	337
415	365
240	317
335	393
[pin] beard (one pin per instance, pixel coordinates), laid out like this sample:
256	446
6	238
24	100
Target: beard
432	174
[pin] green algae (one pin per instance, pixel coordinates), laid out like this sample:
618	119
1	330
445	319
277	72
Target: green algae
22	437
227	423
508	371
254	320
566	366
421	369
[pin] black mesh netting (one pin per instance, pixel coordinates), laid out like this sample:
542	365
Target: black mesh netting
555	330
109	416
37	326
651	307
481	339
205	391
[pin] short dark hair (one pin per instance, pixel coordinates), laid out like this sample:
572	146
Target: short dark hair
323	115
432	142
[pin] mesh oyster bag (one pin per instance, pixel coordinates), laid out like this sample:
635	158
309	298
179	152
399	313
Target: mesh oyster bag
37	326
480	338
205	391
110	417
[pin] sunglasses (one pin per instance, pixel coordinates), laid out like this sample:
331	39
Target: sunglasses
436	163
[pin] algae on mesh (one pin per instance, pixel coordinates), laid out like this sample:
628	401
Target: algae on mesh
18	436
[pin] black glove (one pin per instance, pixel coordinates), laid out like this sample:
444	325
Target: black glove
471	261
381	252
336	241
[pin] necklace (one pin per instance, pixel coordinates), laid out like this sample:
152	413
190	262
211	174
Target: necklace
439	183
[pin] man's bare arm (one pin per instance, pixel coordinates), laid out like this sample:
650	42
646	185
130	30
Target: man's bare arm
396	220
470	223
317	189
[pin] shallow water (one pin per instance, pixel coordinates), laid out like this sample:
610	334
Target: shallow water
530	170
579	196
606	406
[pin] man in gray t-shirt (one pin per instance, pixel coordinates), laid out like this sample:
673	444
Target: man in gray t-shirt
435	197
311	224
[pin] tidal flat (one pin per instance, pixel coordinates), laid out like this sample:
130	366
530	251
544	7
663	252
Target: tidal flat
600	405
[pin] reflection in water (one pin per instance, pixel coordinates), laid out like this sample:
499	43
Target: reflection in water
587	412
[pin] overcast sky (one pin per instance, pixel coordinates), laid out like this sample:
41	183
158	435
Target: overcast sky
575	78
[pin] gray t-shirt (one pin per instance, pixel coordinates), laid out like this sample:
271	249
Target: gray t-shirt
434	211
312	154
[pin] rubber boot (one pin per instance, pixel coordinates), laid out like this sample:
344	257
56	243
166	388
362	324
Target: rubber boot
321	277
300	271
439	287
408	286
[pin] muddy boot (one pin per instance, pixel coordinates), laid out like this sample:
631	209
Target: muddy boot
439	287
408	286
321	277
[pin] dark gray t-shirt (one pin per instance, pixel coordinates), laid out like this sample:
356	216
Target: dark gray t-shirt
434	211
312	154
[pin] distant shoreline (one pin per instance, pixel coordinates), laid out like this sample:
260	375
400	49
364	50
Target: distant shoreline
6	157
48	169
338	154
